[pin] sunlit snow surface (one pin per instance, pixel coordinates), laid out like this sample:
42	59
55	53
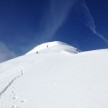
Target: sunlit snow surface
52	47
55	80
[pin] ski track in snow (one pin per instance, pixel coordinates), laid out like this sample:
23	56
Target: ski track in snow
10	83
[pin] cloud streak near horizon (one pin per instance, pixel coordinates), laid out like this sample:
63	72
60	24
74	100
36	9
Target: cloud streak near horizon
5	53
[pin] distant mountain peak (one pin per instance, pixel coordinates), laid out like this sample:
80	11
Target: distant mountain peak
53	47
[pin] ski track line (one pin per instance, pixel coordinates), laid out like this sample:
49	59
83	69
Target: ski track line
3	91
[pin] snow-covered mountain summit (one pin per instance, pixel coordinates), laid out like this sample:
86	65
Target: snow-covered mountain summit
53	47
55	80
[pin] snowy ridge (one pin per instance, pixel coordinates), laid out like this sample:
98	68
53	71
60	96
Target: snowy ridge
55	80
52	47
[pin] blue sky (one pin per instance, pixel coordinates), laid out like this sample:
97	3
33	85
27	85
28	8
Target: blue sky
26	23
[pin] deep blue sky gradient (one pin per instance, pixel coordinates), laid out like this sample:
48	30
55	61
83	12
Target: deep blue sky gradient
20	25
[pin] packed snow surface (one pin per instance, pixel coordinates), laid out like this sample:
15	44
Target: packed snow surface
55	80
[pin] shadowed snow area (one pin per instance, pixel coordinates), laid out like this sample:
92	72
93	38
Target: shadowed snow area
55	80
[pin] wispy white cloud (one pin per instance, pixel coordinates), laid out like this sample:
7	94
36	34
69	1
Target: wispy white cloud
89	20
53	19
57	14
5	53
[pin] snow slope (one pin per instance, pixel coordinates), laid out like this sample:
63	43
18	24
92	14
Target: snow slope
55	80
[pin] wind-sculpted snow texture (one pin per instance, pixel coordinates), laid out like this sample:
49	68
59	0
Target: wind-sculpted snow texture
55	80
